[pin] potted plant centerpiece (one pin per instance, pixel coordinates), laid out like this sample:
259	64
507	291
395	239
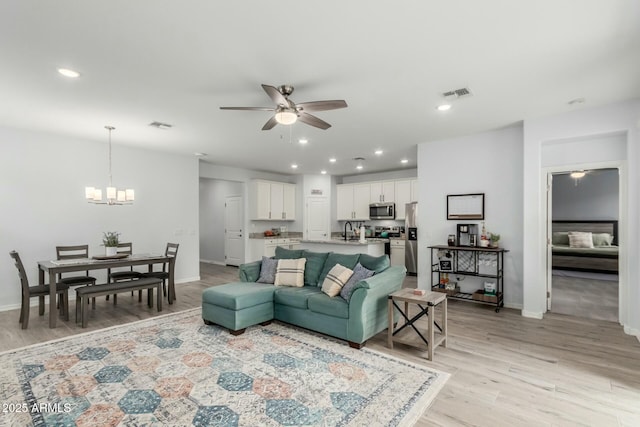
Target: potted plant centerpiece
494	240
110	240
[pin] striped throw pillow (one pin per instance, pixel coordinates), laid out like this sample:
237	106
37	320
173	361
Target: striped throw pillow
335	280
290	272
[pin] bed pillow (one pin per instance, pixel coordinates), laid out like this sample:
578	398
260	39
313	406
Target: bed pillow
335	280
602	239
560	238
579	239
268	270
290	272
359	273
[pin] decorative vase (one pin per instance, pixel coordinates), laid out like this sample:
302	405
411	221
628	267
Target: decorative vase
111	250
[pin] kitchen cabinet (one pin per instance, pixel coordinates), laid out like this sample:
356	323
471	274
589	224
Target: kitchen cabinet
272	200
397	251
352	201
267	247
403	196
414	190
382	192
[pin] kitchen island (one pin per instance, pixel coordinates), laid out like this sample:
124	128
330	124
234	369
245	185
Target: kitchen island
374	247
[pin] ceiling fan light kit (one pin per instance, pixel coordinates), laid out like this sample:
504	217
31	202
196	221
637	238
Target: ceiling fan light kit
288	112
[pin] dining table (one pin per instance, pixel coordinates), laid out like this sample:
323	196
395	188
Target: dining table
55	267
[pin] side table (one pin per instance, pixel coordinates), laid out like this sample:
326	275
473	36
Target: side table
427	304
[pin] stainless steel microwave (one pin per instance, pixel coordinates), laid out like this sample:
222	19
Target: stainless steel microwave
382	211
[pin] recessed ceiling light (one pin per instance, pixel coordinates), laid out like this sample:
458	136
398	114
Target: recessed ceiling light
404	161
68	73
294	166
444	107
378	152
359	167
199	154
303	140
323	172
332	160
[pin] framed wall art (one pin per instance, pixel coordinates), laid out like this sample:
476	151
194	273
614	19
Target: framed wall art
465	206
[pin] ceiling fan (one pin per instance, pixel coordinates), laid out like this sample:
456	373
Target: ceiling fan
288	112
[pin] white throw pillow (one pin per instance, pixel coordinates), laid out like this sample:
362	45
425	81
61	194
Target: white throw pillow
290	272
335	280
579	239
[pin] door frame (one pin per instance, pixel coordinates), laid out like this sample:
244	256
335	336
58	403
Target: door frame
623	233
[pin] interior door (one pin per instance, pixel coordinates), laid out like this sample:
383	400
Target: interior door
317	218
549	223
233	233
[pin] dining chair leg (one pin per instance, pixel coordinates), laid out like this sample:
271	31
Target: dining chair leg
107	298
164	288
78	304
21	310
85	313
150	297
93	303
159	302
25	315
115	299
41	305
139	296
66	306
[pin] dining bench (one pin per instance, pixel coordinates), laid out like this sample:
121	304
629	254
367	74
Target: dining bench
85	292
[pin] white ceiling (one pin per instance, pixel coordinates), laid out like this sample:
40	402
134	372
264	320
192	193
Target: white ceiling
179	61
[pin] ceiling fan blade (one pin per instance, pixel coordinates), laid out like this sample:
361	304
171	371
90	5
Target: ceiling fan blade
270	124
275	95
249	108
322	105
313	120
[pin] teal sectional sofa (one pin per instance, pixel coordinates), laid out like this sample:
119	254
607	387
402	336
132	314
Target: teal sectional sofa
239	305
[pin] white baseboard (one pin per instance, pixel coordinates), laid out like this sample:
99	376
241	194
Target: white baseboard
188	279
513	305
532	314
207	261
631	331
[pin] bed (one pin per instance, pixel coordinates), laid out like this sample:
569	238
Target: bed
602	257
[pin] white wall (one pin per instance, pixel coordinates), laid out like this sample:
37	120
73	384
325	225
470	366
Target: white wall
595	197
380	176
42	202
622	118
213	194
489	163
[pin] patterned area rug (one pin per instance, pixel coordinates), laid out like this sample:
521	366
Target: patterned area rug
174	370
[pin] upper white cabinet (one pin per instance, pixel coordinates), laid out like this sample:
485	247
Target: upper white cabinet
270	200
352	201
403	196
382	192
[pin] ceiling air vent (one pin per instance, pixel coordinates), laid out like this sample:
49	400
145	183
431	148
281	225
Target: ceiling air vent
160	125
458	93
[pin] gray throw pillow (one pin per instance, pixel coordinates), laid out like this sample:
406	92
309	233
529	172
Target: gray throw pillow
268	270
359	273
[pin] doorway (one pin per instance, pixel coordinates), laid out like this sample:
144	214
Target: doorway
233	231
317	225
583	210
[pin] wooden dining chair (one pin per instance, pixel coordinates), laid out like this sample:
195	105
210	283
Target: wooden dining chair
75	252
170	251
39	291
125	273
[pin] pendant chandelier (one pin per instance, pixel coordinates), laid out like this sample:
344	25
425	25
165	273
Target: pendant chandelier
114	196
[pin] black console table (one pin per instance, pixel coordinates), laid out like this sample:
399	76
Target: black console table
469	261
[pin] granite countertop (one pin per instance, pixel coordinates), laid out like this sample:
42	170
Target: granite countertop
346	242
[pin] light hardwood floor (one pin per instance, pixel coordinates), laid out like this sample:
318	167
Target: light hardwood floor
506	370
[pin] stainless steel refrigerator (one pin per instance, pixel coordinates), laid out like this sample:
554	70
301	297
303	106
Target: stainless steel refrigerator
411	243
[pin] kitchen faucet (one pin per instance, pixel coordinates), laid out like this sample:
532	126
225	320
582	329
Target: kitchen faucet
345	229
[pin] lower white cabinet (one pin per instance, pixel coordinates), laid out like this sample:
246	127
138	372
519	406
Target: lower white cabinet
267	247
397	252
